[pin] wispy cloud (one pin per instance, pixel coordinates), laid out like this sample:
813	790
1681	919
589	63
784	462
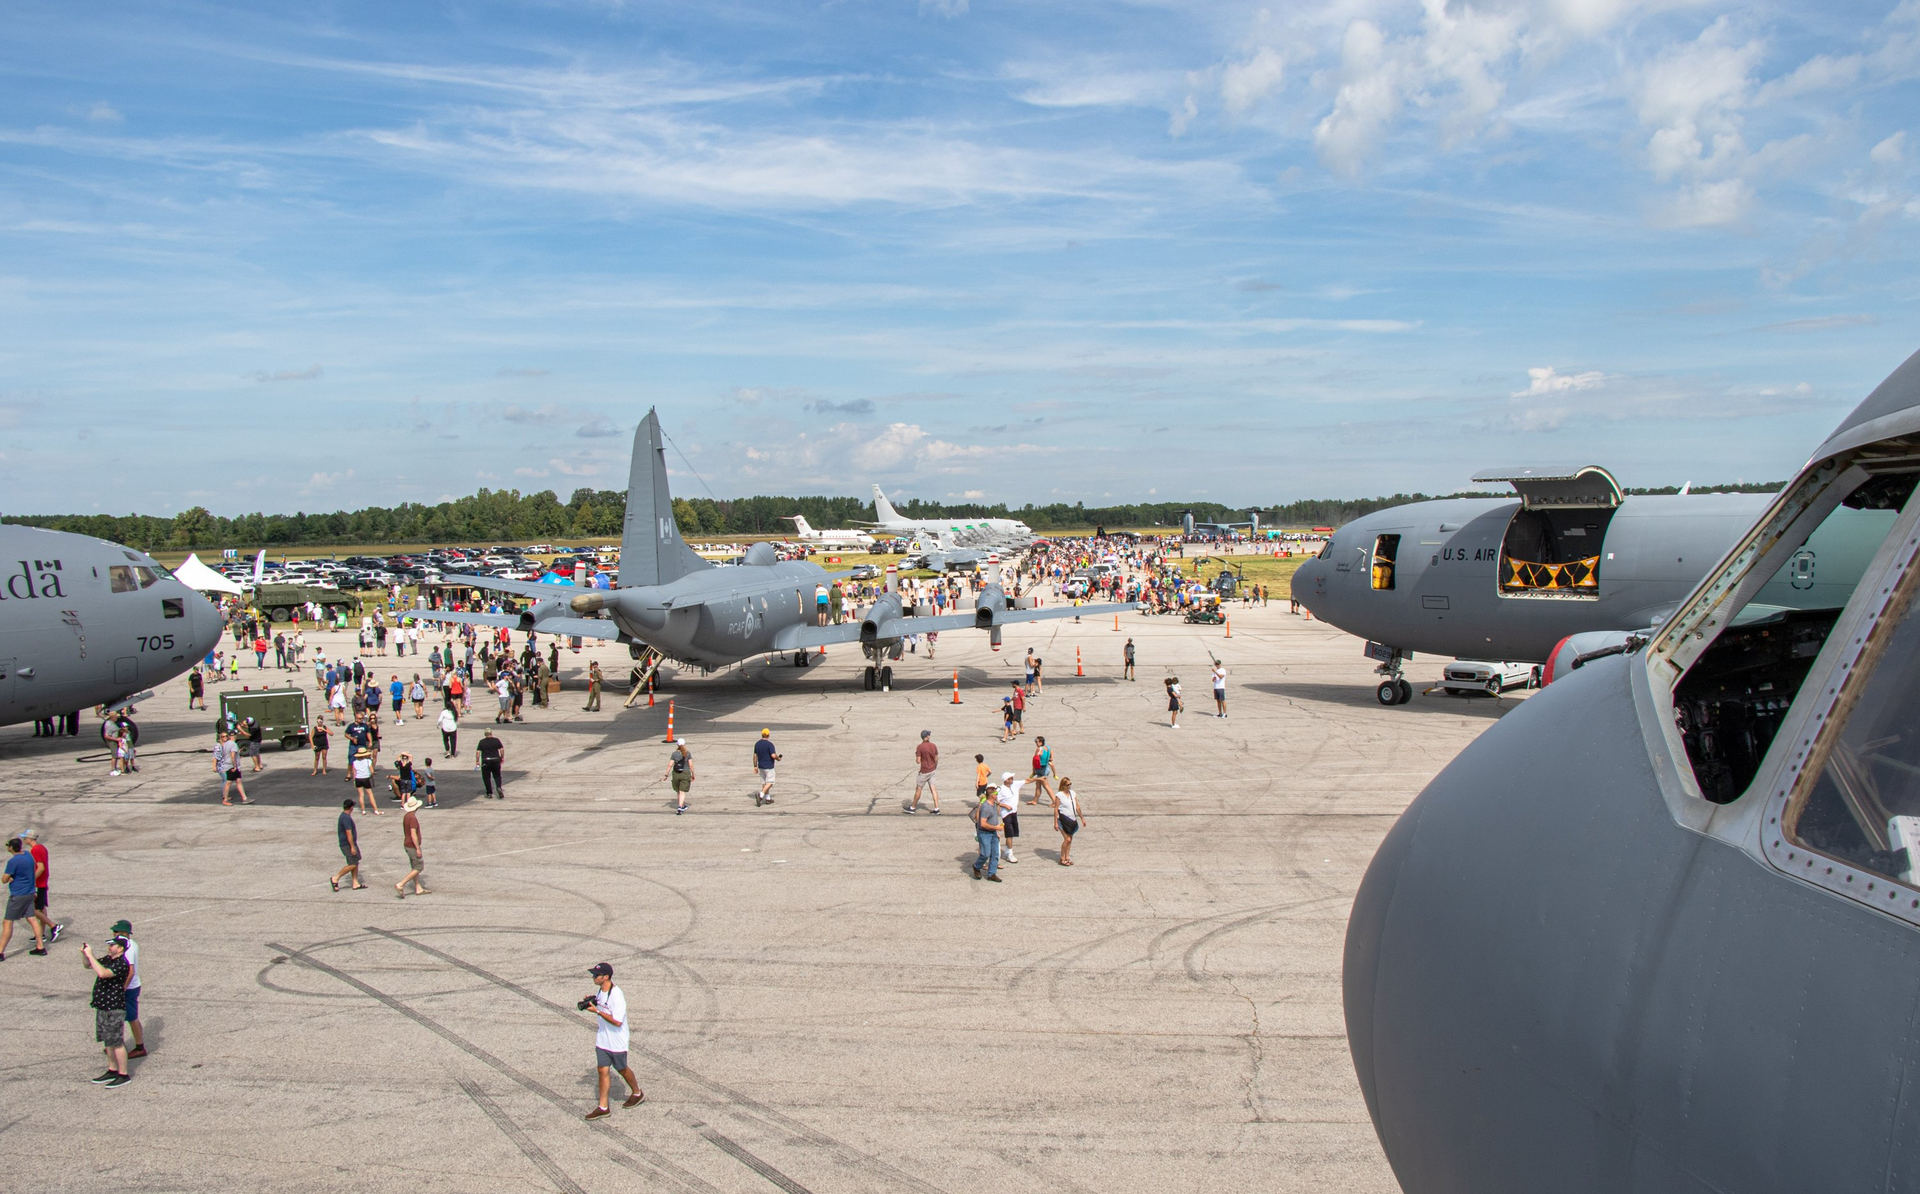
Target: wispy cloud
1822	323
310	373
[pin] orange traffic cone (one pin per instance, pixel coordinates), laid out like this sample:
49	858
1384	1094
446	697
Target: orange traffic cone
1229	627
669	719
956	686
1077	669
1116	621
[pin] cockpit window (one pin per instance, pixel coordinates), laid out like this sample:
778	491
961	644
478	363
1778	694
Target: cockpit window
1326	549
120	577
1737	691
145	575
1385	548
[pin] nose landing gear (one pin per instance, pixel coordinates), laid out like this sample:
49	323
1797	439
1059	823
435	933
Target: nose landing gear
1394	690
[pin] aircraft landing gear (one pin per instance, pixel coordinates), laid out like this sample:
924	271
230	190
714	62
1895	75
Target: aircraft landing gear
871	680
799	659
1393	690
886	679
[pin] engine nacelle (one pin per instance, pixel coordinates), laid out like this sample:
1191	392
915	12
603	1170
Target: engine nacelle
882	621
992	600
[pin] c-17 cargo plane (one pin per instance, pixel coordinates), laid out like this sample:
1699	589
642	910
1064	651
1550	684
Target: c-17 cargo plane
1512	578
1658	929
671	604
84	622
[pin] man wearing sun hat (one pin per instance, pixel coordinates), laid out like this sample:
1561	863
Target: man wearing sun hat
410	838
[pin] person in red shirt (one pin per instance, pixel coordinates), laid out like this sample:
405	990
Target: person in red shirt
927	756
260	652
1019	708
40	876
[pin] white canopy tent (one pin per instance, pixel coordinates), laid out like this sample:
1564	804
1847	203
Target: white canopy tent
196	575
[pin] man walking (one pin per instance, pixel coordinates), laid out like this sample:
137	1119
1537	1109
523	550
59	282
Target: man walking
41	873
1007	796
764	757
349	835
593	687
134	986
490	753
109	1005
927	757
19	873
610	1038
416	860
1126	672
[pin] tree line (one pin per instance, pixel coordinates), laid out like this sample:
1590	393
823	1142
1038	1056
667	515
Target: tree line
508	516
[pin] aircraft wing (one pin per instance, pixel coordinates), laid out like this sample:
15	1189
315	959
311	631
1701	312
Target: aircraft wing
582	627
519	588
794	638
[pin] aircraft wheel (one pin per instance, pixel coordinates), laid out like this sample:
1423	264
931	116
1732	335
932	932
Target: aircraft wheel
1406	692
868	681
799	659
1388	692
886	677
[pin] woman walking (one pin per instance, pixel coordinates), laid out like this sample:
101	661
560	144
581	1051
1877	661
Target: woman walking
319	738
1173	701
1068	817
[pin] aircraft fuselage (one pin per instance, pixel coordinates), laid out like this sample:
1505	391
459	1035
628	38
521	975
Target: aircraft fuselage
1447	598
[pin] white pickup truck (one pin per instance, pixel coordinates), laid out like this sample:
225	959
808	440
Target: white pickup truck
1477	676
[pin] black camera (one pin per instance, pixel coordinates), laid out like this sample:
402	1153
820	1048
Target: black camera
585	1004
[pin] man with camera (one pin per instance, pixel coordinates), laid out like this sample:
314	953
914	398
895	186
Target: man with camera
610	1038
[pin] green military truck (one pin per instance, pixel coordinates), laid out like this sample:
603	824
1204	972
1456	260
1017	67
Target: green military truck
281	712
284	602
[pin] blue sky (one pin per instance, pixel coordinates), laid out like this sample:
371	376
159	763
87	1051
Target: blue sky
314	256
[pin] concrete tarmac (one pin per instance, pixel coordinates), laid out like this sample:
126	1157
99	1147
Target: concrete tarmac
821	997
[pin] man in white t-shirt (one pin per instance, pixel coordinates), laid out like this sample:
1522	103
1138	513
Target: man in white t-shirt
1007	796
610	1038
1219	689
125	929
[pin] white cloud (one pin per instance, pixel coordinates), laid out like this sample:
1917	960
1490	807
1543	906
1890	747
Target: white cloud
104	112
1244	84
311	373
1545	380
944	8
1889	151
1369	98
1182	117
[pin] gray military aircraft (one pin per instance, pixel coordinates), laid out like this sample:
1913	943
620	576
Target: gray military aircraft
84	622
1659	928
1510	578
672	604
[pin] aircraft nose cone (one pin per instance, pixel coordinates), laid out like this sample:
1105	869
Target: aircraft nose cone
207	624
1366	936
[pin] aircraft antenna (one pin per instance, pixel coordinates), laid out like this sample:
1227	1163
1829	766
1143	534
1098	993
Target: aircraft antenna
690	468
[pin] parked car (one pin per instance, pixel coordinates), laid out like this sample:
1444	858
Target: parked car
1464	677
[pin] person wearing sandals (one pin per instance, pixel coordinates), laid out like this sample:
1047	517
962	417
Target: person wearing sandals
1068	817
349	835
320	740
226	764
416	860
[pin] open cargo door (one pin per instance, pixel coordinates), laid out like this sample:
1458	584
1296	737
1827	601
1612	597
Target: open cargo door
1552	547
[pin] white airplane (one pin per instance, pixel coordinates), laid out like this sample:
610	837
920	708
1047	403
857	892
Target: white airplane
891	520
844	538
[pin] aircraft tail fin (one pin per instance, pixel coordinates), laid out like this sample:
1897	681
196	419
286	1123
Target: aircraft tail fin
800	526
882	508
651	550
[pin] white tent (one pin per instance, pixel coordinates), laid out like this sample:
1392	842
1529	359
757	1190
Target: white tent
196	575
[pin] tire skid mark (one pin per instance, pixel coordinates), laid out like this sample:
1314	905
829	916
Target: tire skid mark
665	1168
846	1152
512	1131
727	1145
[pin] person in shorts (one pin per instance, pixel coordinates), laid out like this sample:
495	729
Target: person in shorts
609	1004
680	774
124	928
1068	816
42	876
416	856
1007	796
349	835
927	757
20	890
109	1005
320	740
362	771
226	764
982	777
764	757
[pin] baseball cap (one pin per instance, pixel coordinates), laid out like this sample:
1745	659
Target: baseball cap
1007	775
601	970
33	834
122	926
765	733
118	940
